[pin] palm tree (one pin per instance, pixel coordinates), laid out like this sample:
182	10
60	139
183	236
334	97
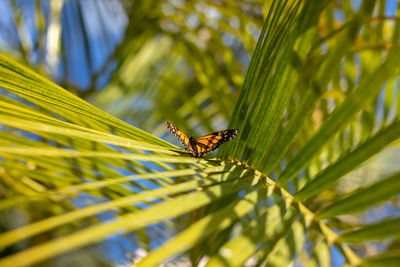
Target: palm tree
312	86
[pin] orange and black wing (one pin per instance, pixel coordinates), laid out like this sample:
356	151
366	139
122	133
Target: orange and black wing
181	136
211	142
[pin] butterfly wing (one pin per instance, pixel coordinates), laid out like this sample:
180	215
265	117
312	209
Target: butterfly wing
183	138
211	142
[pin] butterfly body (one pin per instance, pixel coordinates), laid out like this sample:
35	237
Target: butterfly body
198	147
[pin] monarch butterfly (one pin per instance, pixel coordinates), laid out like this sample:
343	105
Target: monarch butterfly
198	147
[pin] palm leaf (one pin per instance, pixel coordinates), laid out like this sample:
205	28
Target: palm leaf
272	197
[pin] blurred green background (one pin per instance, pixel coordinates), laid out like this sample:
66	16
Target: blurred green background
312	86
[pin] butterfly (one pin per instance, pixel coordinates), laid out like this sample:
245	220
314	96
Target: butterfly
198	147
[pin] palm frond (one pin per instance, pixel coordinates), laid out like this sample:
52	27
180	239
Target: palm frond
320	99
